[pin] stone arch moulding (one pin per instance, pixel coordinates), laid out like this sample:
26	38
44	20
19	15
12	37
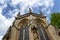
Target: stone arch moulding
40	22
23	22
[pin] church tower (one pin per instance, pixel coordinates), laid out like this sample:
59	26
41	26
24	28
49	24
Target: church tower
31	26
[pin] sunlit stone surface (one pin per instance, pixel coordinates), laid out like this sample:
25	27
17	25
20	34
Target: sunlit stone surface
31	26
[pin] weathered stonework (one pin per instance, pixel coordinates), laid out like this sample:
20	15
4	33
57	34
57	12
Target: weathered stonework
34	22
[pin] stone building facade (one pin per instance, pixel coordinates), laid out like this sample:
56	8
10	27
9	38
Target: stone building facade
31	26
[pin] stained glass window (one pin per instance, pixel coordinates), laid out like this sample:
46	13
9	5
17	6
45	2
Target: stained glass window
26	33
21	34
42	33
45	34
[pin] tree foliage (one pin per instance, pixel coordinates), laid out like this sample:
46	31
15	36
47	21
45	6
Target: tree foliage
55	19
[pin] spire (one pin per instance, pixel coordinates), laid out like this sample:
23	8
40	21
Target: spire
18	15
41	14
30	11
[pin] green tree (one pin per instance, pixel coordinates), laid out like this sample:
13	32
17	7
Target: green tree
55	19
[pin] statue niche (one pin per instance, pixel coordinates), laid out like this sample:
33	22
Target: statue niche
35	34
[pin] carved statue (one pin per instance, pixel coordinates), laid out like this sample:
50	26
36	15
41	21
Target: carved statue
35	34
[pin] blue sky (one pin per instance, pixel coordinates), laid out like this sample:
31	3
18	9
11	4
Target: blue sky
56	7
10	8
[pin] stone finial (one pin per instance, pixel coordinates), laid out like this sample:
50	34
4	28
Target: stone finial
30	11
41	14
18	15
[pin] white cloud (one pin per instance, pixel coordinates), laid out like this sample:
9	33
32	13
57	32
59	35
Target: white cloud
24	5
16	12
0	10
1	37
4	20
4	5
2	1
48	3
48	19
4	23
33	3
48	11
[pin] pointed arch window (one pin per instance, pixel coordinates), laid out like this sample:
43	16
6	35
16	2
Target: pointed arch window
21	34
42	33
24	33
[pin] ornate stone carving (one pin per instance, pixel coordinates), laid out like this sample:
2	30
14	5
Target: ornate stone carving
36	24
35	34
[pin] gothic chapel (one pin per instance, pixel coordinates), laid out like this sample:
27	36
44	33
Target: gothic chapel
31	26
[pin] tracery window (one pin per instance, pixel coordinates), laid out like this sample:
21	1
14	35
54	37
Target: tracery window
24	33
39	33
21	34
42	33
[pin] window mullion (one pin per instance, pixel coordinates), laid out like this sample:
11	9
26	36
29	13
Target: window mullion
21	34
40	33
26	33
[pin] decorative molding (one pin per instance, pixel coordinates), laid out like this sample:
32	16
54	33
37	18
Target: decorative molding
28	14
16	27
47	26
30	11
